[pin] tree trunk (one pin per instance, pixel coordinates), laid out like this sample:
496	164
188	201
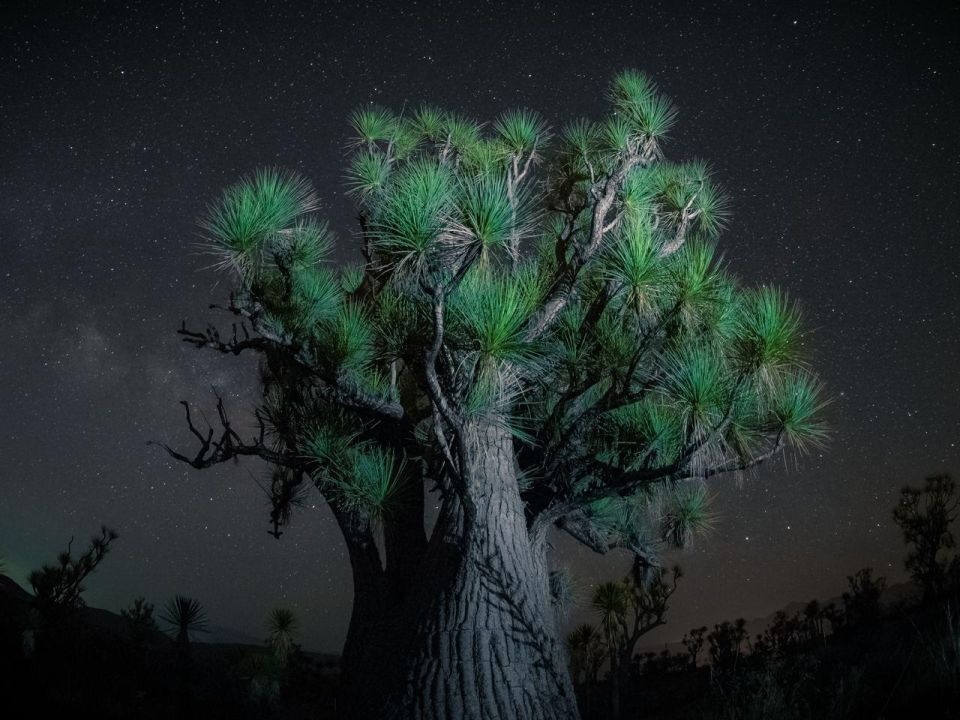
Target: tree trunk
614	688
368	613
474	637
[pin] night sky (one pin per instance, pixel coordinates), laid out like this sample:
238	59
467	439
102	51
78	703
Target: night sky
834	130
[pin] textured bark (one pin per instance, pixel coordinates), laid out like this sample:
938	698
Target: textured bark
474	638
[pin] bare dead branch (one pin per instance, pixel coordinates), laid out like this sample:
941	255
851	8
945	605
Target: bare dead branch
228	445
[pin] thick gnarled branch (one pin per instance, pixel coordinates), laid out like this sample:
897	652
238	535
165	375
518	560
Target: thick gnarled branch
211	338
603	193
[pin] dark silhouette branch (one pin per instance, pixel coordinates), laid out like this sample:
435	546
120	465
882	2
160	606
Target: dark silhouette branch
58	587
228	445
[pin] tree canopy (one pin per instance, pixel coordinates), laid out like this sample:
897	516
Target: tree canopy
565	286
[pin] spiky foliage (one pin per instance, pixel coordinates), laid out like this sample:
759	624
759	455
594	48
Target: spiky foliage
184	617
251	214
628	610
587	650
282	627
796	404
411	218
357	475
488	318
484	204
373	124
522	131
429	121
610	602
636	97
571	293
368	173
687	514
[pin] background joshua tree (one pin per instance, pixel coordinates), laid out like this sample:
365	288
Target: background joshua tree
587	650
926	515
184	617
267	670
541	334
628	610
282	626
861	603
139	617
53	634
693	642
727	643
142	630
58	587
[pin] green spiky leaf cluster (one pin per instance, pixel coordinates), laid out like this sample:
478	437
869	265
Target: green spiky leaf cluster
374	124
686	514
637	98
246	221
282	626
184	617
354	473
410	219
521	131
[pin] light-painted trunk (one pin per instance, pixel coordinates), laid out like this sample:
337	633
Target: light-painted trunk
475	638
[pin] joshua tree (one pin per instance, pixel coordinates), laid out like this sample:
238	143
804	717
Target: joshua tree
726	642
588	651
184	616
816	615
58	588
861	604
140	622
142	628
925	515
266	668
629	610
282	626
693	642
542	334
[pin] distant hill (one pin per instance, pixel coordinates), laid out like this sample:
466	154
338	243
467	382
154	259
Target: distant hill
11	591
223	635
14	598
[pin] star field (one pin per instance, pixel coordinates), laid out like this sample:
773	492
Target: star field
833	129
